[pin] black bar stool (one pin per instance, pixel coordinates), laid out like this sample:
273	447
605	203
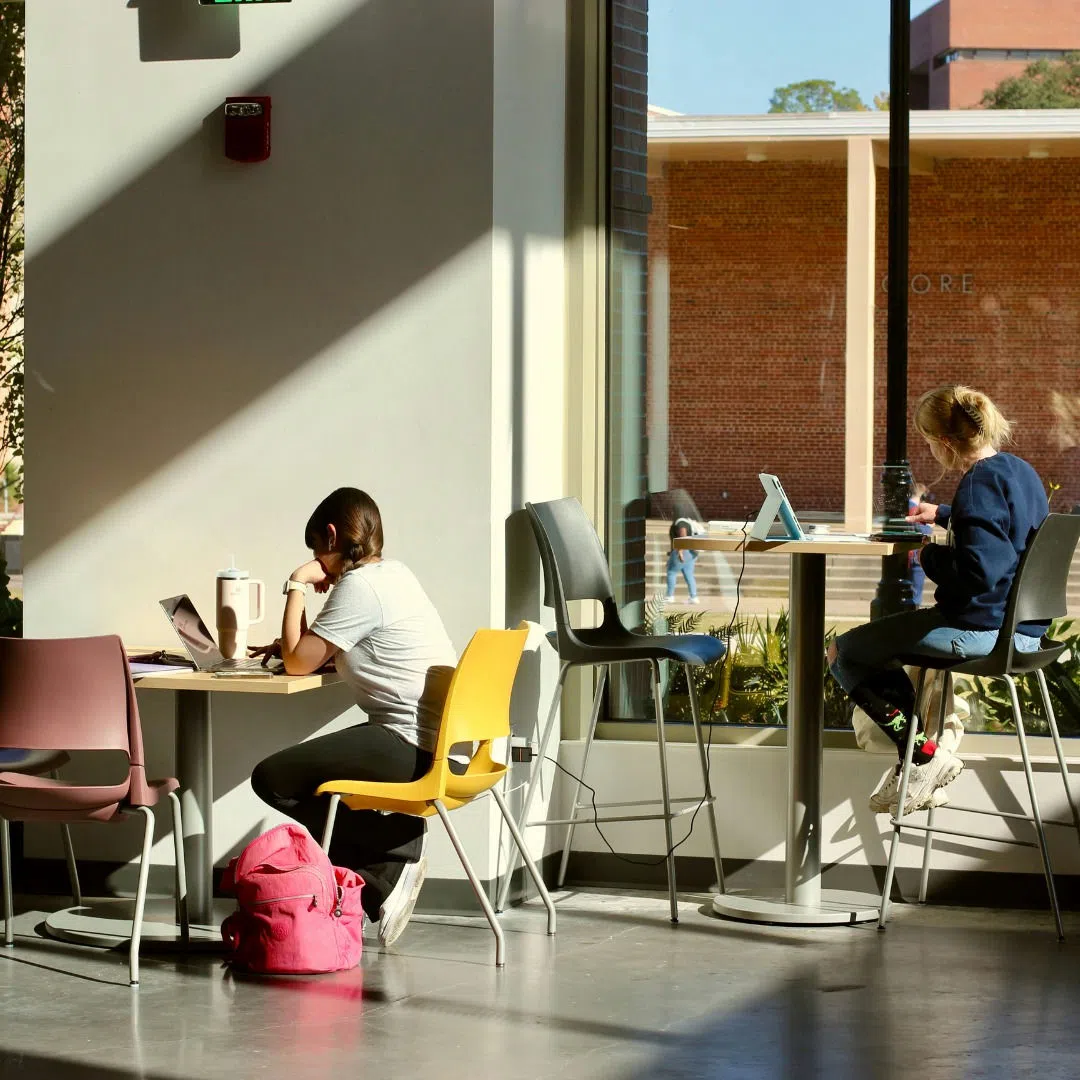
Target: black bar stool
1037	594
575	568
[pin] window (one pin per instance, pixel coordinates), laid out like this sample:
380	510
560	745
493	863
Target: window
728	349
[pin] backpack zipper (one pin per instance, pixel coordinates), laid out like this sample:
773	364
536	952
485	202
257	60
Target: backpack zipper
325	888
281	899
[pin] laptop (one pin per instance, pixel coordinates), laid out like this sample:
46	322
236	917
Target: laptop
199	643
776	505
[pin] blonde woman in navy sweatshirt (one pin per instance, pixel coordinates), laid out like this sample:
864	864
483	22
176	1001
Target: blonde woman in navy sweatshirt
998	505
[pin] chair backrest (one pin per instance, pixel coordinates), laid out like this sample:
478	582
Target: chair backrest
575	566
477	705
1039	588
68	694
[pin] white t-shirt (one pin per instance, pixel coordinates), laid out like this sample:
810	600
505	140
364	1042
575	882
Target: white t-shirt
395	652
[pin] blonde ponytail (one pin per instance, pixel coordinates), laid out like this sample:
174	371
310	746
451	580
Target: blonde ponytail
958	422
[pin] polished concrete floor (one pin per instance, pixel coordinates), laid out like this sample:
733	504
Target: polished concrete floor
619	993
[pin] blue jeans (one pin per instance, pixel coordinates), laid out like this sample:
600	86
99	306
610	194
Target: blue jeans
686	565
868	649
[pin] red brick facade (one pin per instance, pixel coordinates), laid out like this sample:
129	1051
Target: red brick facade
990	27
756	257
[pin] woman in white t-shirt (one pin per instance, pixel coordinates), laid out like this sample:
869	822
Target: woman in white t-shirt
389	644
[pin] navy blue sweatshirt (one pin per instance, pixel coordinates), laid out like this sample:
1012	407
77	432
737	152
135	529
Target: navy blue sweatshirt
999	503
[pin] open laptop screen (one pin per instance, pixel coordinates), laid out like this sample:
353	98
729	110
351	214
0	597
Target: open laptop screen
192	632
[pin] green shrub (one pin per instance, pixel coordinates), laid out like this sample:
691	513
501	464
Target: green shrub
749	685
11	608
991	708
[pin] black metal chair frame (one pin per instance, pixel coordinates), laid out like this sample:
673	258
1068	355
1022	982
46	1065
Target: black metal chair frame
610	643
1038	593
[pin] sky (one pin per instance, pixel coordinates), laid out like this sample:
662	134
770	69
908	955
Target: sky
728	56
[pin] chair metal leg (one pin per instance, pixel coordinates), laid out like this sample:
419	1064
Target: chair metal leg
69	857
1055	734
695	715
661	745
485	903
568	843
5	869
894	848
533	786
527	858
328	828
1035	814
140	893
928	842
181	868
72	869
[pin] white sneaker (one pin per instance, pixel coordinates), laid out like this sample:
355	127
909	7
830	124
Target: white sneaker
397	908
670	599
693	600
943	768
886	798
886	791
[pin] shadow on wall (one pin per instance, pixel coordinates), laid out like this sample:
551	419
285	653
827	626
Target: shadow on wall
524	600
203	275
184	30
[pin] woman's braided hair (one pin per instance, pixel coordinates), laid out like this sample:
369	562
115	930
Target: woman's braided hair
960	421
357	522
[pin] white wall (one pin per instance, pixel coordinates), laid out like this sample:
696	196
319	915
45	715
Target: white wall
750	783
212	347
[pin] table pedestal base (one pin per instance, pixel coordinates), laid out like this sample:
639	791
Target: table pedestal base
106	924
769	906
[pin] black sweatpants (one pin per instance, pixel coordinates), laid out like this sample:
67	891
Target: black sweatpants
375	845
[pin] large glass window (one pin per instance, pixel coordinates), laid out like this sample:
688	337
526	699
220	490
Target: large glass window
733	245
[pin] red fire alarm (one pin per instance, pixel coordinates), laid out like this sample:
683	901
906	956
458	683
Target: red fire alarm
247	128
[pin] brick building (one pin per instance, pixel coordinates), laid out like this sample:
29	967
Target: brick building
755	245
961	48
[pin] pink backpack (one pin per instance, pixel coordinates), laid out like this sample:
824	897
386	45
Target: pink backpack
295	913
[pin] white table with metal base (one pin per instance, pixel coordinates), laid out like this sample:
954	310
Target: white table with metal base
802	901
107	923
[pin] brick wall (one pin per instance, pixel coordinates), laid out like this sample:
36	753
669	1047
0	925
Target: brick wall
757	253
629	215
1013	24
987	24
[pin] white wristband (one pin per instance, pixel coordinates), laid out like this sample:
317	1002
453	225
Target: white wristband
293	586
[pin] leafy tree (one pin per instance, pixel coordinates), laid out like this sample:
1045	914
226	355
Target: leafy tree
1043	85
815	95
881	101
12	80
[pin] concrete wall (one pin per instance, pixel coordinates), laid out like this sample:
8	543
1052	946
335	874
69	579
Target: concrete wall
212	347
750	784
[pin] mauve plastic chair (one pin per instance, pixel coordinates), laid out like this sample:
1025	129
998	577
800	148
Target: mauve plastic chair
71	694
1037	594
575	568
39	763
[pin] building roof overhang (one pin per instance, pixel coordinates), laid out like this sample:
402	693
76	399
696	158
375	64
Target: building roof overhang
935	135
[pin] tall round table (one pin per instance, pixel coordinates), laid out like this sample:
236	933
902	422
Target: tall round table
802	901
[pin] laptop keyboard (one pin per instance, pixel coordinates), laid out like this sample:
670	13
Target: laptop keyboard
250	664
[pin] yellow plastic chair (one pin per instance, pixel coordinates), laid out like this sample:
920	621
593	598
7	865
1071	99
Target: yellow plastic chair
477	710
